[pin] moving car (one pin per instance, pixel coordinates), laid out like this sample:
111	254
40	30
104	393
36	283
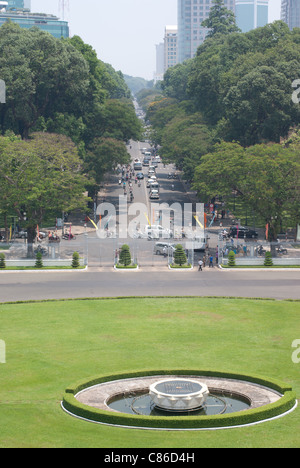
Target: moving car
157	231
163	248
153	185
140	175
154	195
151	180
137	166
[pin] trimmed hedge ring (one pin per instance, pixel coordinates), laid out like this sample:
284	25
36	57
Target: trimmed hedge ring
284	405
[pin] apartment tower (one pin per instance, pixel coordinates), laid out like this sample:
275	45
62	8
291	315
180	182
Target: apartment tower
290	13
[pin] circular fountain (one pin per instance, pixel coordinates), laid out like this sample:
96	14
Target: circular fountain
178	395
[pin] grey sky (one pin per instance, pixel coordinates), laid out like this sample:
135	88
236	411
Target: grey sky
123	32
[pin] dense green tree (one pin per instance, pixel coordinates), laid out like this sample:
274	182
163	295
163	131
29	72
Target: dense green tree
265	176
179	255
43	75
185	140
175	83
242	84
103	155
220	20
40	177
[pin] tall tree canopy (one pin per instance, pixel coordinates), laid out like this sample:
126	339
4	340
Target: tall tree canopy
41	177
220	20
265	176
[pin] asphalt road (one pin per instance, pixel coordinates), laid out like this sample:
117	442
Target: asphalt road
153	278
106	282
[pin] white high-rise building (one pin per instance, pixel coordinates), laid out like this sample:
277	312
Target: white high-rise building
191	14
170	47
251	14
290	13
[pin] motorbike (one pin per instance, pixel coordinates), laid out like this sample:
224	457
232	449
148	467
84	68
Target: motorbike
68	236
260	250
281	250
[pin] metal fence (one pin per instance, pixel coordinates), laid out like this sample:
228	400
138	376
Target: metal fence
253	253
57	254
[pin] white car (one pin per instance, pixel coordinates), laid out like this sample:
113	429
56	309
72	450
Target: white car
154	195
162	248
151	181
157	231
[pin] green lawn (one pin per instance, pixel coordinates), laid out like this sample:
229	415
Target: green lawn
51	345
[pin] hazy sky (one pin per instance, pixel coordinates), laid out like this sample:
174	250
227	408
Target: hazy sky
123	32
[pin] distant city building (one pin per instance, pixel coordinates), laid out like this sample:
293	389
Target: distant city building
160	62
18	11
290	13
251	14
191	14
170	47
16	4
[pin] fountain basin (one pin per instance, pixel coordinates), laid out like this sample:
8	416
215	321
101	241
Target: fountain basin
178	395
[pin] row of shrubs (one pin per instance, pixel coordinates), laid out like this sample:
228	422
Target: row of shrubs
286	403
267	263
180	258
39	261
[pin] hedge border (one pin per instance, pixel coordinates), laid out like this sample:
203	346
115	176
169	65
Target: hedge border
286	403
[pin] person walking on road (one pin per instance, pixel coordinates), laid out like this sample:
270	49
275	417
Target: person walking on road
200	263
211	260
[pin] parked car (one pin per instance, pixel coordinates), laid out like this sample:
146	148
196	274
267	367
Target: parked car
242	232
163	248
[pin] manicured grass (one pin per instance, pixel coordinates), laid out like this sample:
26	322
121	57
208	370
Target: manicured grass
51	345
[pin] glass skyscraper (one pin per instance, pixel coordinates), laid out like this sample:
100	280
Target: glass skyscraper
17	12
191	14
251	14
290	13
19	4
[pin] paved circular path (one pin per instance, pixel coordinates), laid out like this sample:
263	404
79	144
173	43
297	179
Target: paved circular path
99	395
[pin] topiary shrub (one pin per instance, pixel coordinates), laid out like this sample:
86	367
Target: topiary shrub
39	260
231	259
125	256
268	260
179	255
75	260
2	262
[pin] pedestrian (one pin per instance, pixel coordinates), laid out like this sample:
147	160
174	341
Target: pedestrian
200	263
217	257
211	260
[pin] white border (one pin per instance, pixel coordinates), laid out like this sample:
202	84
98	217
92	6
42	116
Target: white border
178	430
